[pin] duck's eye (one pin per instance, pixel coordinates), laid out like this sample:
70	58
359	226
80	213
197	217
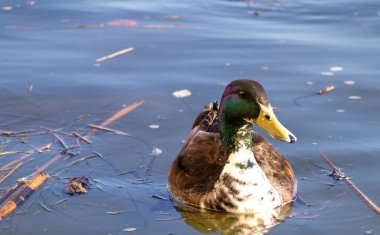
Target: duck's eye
242	94
267	116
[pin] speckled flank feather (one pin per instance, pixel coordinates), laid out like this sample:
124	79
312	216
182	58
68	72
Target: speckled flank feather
246	181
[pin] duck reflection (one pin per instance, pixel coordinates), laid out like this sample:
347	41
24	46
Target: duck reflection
228	223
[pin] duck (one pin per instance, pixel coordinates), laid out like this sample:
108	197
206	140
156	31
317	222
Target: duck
224	165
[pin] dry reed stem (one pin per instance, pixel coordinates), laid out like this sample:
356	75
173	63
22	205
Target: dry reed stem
346	179
114	54
114	117
20	192
10	172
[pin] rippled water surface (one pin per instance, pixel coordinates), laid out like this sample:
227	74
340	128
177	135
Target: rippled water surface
49	78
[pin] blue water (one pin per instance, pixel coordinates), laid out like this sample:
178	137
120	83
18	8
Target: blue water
48	70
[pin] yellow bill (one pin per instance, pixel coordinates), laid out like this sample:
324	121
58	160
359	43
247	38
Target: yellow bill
269	123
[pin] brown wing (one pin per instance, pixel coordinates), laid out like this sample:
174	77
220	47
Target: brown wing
200	161
275	167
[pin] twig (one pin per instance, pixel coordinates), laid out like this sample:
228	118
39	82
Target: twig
45	207
127	172
61	141
19	159
81	137
9	152
11	172
24	189
79	160
15	133
114	117
107	129
158	197
114	54
346	179
320	92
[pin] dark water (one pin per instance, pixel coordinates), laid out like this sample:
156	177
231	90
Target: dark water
48	70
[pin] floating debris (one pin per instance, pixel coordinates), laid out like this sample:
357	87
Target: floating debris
182	93
31	3
107	129
20	192
340	110
128	23
9	152
329	74
129	229
355	97
327	89
115	212
349	82
310	83
158	197
320	92
156	151
336	69
154	126
114	54
15	133
81	137
338	175
7	8
77	185
4	177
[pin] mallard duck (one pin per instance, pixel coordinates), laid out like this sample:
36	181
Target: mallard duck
224	165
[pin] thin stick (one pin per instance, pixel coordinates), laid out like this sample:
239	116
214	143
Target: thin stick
15	133
81	137
114	54
10	172
364	197
9	152
114	117
107	129
19	159
61	141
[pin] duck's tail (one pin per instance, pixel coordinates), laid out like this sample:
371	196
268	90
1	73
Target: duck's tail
207	119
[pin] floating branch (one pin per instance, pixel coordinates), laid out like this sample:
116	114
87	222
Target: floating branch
20	192
15	133
327	89
107	129
320	92
114	117
114	54
81	137
338	175
9	152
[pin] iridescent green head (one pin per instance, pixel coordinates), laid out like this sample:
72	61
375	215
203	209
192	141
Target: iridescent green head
245	102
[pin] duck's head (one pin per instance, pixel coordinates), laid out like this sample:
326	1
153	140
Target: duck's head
245	102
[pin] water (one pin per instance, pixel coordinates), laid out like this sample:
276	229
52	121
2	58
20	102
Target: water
48	70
